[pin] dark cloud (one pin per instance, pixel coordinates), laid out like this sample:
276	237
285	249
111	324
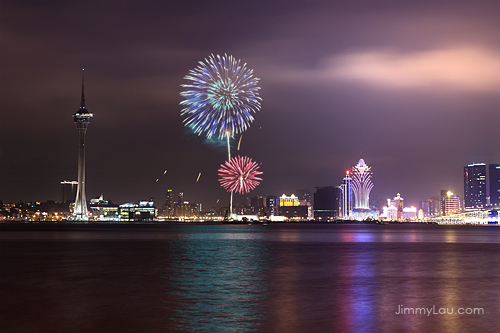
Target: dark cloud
413	86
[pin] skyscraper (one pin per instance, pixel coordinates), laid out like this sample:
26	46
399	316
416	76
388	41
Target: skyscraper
327	202
494	177
82	120
475	186
346	189
361	187
362	184
272	205
169	203
399	203
450	203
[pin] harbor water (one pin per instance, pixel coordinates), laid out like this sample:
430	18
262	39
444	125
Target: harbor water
57	277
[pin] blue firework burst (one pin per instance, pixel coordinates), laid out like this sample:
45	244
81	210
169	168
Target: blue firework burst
220	98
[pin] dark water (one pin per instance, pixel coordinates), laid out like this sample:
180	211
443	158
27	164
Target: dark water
220	278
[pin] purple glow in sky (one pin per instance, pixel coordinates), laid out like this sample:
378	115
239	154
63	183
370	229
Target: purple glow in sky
414	86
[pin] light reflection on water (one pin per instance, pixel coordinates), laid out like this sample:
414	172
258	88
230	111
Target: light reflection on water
285	233
214	284
281	278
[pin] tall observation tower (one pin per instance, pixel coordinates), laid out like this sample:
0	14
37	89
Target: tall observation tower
82	120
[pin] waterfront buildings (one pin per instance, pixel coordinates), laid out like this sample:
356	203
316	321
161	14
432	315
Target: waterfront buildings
169	203
475	186
346	191
361	187
292	207
450	203
494	180
430	207
398	202
256	206
327	202
409	213
272	205
82	120
142	211
391	213
305	195
396	211
179	208
296	212
103	210
362	184
289	200
34	211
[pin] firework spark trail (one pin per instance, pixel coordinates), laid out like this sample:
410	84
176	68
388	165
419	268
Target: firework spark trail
199	175
220	98
239	175
239	142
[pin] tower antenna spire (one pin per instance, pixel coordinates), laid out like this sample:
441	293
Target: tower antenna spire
82	119
82	103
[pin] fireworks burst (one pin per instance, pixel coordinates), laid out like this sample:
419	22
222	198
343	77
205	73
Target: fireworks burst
239	175
220	98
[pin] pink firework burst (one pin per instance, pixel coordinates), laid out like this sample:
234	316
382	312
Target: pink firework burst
239	175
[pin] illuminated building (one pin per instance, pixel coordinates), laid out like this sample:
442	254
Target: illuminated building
186	209
289	200
494	177
292	207
409	213
398	202
430	207
68	191
362	184
181	208
103	210
392	213
82	120
475	186
327	202
346	189
361	187
272	204
450	203
135	212
169	203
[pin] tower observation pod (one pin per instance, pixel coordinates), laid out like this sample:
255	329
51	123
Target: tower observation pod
82	120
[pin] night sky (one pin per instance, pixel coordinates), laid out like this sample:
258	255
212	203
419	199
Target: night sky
412	87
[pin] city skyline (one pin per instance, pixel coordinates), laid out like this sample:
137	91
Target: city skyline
412	86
